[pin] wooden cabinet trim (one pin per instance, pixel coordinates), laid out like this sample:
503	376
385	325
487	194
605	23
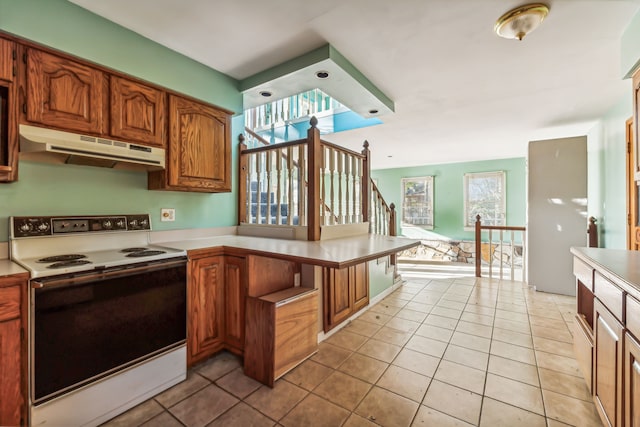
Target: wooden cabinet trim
610	295
583	272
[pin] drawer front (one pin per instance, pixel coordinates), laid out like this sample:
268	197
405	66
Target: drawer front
610	295
583	273
9	303
633	316
583	349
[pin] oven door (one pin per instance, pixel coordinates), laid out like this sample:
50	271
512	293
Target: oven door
87	326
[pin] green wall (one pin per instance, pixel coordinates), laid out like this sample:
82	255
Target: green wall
63	189
606	150
448	193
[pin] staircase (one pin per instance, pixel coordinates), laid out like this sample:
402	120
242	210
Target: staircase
265	202
309	182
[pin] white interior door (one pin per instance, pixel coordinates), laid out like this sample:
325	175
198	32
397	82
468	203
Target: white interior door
556	211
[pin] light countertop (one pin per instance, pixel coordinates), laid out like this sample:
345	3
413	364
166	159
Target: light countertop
9	268
618	265
335	253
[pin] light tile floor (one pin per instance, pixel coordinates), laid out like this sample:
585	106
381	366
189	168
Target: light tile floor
436	352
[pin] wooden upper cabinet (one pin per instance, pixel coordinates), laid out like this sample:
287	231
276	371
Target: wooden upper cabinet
65	94
137	112
7	60
199	149
8	112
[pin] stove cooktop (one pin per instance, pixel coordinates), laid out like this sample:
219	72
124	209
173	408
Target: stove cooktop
49	246
91	260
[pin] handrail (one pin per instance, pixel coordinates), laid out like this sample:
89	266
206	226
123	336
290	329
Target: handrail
256	136
501	228
342	149
275	146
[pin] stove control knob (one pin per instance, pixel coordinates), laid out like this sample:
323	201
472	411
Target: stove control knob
120	224
144	223
107	224
26	227
43	226
133	223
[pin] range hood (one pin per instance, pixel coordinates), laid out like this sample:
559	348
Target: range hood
54	146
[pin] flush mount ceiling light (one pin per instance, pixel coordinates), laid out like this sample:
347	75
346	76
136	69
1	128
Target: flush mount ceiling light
322	74
520	21
266	93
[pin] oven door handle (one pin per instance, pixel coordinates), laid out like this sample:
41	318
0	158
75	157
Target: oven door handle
109	273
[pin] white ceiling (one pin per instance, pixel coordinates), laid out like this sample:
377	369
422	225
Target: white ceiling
460	92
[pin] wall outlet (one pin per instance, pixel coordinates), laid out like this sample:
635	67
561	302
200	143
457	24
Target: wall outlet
167	214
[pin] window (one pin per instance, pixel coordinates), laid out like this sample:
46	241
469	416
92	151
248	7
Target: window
485	195
417	201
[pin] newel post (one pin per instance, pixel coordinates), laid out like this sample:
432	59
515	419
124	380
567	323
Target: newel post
478	247
314	152
392	228
243	173
366	181
592	231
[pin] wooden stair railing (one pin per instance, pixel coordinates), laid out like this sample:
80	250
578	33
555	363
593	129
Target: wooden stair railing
309	182
500	244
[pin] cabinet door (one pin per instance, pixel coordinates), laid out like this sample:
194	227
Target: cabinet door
338	296
199	156
235	291
137	112
205	332
360	286
631	381
607	371
65	94
10	371
7	60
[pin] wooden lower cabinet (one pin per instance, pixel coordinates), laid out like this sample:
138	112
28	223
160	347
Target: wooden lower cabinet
12	350
607	365
281	332
631	381
235	288
205	305
346	291
216	294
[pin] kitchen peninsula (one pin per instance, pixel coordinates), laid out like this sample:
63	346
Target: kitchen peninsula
607	330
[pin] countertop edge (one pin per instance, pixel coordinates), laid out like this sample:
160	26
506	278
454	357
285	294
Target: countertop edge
326	246
588	255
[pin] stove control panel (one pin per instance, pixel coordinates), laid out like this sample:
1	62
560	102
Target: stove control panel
49	225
